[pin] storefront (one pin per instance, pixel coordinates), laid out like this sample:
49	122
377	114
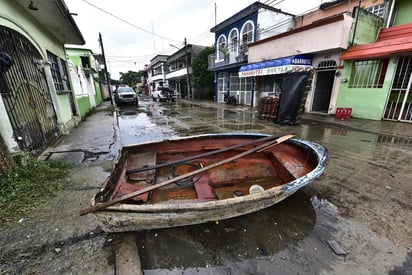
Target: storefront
285	79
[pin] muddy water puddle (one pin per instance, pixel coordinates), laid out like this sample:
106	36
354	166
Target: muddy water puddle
259	234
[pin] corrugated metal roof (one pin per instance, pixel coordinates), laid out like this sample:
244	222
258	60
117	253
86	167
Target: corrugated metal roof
390	41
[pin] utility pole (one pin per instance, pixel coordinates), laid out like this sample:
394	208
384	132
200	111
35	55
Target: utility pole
105	69
215	14
189	88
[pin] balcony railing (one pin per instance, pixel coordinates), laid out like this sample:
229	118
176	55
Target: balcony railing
215	61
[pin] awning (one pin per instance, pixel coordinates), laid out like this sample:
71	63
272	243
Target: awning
390	41
297	63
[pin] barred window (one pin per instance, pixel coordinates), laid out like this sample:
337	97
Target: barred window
65	79
246	83
222	82
247	33
54	67
234	82
378	10
221	47
59	72
368	73
233	36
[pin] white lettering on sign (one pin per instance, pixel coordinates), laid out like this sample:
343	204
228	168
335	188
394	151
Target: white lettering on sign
302	61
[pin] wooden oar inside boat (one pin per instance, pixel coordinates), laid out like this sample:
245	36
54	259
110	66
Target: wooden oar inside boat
184	176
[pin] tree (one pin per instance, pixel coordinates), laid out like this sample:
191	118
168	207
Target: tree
131	78
202	79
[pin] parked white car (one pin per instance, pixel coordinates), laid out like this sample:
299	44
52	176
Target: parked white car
164	94
125	95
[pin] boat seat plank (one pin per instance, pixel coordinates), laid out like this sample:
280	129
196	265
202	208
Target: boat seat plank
276	180
175	193
226	192
126	188
296	164
203	190
142	160
282	169
246	168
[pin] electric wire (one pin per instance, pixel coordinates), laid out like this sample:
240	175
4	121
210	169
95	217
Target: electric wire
128	23
200	37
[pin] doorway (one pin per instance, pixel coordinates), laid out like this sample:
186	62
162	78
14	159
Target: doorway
325	79
399	103
26	95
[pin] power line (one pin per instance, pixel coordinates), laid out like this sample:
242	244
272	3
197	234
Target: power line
124	21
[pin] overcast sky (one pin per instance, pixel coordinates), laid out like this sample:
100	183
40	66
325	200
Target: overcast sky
134	31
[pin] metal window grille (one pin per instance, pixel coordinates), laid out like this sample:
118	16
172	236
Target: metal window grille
222	83
403	73
221	86
399	105
234	82
327	64
378	10
222	45
247	33
54	67
233	41
65	78
368	73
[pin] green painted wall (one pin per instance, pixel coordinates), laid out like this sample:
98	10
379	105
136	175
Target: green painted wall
18	19
368	103
75	56
404	12
98	97
83	103
366	26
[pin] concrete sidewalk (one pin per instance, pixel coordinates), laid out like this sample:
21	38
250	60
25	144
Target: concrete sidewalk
95	138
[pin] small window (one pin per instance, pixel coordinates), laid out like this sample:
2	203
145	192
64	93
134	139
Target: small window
247	33
85	61
59	72
234	82
327	64
222	82
368	73
233	42
246	36
221	47
378	10
65	79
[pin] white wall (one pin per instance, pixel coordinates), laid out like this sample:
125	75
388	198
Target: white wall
323	38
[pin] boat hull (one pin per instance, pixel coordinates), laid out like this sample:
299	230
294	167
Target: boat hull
125	217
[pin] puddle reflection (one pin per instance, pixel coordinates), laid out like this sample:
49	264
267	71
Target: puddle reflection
137	127
262	233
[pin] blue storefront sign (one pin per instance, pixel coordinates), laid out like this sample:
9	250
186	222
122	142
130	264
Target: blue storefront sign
297	63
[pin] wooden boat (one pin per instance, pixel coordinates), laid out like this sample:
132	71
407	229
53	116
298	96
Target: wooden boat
203	178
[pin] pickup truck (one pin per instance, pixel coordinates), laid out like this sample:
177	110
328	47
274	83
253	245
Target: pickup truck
164	94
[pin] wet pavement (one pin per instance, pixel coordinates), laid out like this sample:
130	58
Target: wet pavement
308	233
355	219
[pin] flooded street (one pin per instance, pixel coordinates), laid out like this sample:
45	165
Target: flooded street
355	219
